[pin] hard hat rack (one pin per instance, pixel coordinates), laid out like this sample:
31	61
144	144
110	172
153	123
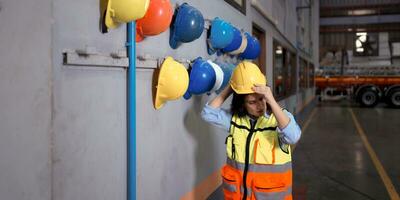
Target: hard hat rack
90	57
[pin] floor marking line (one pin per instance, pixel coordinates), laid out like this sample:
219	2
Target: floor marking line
378	165
304	127
308	120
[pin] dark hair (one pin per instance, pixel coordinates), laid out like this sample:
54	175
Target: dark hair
237	106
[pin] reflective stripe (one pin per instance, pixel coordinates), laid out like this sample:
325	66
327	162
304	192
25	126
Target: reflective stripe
273	195
268	195
229	187
260	168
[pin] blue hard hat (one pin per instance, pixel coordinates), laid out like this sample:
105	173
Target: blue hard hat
188	25
220	35
227	75
201	79
236	41
253	48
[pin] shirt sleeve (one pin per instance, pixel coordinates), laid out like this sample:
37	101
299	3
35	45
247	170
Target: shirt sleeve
216	116
292	132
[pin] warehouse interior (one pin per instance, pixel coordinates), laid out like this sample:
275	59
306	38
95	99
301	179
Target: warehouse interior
88	109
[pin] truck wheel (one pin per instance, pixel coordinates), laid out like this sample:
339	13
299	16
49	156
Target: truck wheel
394	98
368	97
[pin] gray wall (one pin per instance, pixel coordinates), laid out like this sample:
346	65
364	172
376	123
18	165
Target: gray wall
89	153
176	148
25	102
63	128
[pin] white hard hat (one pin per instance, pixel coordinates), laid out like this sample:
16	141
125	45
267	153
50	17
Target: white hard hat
219	76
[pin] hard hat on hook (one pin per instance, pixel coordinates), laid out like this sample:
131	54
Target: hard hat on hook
219	76
201	78
187	26
227	70
157	19
220	35
253	48
236	41
173	82
242	46
123	11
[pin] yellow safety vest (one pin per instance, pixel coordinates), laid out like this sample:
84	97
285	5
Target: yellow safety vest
259	163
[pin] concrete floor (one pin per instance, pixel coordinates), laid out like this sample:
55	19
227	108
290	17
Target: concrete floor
331	162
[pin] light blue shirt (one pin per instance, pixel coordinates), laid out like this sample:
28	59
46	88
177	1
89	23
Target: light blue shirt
222	118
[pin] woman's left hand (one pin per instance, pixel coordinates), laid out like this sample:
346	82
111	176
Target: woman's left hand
281	117
264	90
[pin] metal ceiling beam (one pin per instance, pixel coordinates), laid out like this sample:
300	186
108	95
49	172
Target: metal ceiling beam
395	27
358	7
359	20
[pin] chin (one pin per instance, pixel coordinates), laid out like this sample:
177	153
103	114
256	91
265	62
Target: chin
259	114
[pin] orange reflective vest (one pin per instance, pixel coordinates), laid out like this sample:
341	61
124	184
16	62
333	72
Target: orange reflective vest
258	164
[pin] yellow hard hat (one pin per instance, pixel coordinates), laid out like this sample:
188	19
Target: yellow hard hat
173	82
123	11
244	76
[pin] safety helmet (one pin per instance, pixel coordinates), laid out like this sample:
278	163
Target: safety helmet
253	48
123	11
220	35
219	76
227	70
242	46
157	19
236	41
173	81
201	78
245	76
187	26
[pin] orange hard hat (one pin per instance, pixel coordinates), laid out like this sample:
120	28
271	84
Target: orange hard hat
157	19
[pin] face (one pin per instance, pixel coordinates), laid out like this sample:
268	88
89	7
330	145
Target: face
255	104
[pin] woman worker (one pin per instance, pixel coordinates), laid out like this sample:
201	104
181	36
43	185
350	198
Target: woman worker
260	134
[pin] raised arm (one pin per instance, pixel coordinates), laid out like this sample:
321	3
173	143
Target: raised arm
220	99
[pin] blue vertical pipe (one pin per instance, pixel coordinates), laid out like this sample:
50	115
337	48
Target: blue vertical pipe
131	46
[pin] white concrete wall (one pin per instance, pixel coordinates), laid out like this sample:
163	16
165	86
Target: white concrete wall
25	100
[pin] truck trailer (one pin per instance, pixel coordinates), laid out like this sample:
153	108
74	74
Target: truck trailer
366	85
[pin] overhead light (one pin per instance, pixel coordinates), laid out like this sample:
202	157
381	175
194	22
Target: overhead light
361	12
360	50
361	33
358	44
278	50
363	38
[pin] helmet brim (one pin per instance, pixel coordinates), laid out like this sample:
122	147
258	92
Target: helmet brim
110	23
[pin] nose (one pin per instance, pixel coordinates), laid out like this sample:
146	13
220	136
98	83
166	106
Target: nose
260	104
